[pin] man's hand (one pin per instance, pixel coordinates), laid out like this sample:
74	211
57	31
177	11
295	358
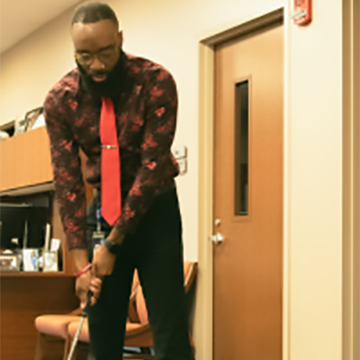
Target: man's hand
84	283
103	262
87	281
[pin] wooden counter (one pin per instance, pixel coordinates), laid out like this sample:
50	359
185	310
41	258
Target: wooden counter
24	296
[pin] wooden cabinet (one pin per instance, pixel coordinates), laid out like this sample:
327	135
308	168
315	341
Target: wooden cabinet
26	169
25	160
24	297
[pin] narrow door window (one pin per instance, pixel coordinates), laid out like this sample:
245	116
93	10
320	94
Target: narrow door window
241	148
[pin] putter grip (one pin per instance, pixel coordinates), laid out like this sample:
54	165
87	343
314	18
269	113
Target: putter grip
88	303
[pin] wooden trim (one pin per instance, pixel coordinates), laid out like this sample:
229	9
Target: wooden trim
35	274
348	184
351	180
203	329
286	200
270	19
29	190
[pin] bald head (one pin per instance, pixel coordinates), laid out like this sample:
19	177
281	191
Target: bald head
93	12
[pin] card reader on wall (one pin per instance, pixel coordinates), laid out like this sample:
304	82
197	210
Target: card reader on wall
180	154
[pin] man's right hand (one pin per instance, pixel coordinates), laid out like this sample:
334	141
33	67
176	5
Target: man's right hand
84	283
82	287
87	281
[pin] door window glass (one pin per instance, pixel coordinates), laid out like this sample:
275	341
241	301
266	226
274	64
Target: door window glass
241	148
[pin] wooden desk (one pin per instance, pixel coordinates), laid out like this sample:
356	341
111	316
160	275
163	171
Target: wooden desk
26	169
24	296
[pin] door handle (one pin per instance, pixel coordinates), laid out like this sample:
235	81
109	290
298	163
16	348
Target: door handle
217	238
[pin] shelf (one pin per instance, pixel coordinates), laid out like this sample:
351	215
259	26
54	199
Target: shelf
34	274
29	190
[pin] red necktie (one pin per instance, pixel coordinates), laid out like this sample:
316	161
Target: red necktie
110	164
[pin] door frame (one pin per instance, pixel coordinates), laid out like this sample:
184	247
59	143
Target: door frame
351	180
203	328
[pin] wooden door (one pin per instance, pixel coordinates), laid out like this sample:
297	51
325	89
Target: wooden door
248	200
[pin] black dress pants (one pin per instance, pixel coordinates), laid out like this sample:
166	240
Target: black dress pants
156	251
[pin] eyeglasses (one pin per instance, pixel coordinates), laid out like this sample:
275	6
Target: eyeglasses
86	58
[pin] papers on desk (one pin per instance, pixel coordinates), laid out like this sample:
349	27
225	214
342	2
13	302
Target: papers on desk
40	121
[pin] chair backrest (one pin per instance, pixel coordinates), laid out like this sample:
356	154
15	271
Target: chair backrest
132	313
135	284
190	269
141	306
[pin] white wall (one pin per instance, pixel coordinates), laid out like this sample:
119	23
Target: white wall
313	212
167	32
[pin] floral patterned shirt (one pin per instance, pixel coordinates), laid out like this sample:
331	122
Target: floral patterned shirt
145	111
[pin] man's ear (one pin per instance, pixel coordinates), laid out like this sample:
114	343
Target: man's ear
120	37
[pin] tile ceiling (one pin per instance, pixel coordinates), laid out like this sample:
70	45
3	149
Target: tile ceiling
19	18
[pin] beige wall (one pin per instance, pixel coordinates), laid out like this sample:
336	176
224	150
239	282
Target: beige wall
30	68
313	175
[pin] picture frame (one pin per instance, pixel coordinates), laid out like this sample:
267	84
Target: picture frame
20	126
31	259
9	263
32	116
50	261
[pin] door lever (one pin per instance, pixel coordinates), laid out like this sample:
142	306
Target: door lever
217	238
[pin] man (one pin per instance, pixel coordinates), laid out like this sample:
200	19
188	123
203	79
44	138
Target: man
142	222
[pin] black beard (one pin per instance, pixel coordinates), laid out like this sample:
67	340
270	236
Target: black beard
111	86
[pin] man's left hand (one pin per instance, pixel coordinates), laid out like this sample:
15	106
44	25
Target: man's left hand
103	262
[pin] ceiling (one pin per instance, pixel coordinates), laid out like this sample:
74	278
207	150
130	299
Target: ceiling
19	18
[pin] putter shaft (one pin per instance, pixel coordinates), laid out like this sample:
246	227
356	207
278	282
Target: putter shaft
76	337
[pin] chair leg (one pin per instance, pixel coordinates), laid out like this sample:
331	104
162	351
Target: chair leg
48	347
67	346
39	347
